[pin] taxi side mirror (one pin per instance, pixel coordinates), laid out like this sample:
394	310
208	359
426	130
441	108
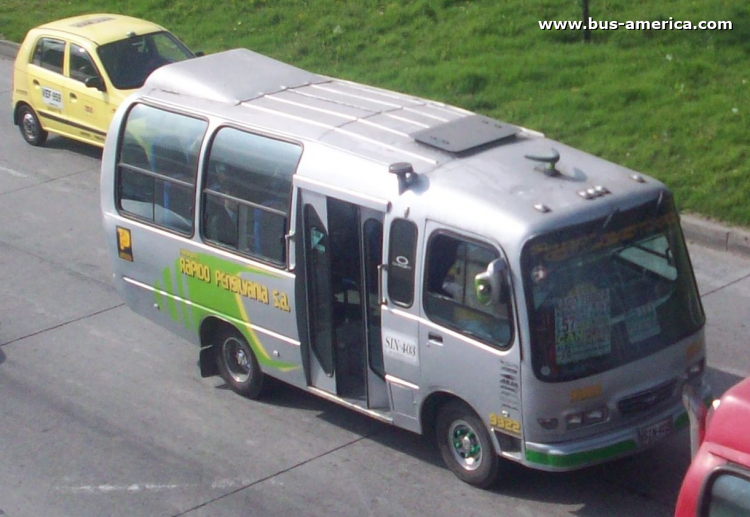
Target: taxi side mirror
490	285
95	82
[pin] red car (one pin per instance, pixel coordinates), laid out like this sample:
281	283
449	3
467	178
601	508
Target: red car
718	480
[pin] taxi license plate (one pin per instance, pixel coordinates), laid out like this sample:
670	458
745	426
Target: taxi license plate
653	433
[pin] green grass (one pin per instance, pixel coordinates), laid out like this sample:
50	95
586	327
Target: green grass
672	104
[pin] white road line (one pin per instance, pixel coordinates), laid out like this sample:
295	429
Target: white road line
13	172
220	484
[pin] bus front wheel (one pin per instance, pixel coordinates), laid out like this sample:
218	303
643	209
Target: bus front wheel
237	364
465	445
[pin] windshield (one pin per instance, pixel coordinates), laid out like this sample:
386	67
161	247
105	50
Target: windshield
608	292
130	61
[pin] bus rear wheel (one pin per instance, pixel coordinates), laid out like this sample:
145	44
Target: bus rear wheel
465	445
237	364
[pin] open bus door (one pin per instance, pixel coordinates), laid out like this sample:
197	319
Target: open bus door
342	244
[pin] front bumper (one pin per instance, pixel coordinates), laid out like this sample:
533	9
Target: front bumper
593	450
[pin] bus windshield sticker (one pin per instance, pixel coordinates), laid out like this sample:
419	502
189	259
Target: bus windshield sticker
642	323
564	249
582	325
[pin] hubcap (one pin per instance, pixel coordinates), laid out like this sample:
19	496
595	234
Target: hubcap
29	126
465	445
241	358
237	359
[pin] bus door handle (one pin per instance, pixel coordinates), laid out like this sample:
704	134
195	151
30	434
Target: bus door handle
289	243
434	339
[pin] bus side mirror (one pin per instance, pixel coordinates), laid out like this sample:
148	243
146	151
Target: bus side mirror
490	284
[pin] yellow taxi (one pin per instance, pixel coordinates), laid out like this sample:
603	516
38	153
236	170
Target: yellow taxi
71	75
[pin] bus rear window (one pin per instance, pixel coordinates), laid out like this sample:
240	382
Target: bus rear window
156	171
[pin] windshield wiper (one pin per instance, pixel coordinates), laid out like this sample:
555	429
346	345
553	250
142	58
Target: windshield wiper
608	220
658	204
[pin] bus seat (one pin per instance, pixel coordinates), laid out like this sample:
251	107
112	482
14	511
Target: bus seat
268	233
169	158
134	154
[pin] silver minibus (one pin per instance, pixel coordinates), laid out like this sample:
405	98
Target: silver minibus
435	269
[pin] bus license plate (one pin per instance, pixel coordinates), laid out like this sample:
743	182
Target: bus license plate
653	433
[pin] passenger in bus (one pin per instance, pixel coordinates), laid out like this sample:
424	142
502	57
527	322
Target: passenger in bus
469	314
222	213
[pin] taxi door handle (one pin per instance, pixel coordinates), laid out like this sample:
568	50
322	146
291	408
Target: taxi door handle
73	96
434	339
36	83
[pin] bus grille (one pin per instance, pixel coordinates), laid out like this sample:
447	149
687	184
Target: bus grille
645	400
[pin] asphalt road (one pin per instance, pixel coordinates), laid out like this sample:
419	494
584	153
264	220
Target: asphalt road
103	413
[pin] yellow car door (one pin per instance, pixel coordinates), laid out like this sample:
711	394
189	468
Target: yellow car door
46	79
88	102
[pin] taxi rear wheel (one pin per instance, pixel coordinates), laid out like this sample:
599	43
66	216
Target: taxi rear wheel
30	127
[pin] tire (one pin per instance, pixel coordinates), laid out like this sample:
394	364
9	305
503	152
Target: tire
31	128
465	445
237	363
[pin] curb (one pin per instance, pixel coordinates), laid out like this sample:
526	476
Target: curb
696	228
8	49
715	235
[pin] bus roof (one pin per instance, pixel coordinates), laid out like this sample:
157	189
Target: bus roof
471	158
103	28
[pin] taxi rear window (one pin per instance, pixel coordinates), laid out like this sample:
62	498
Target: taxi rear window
49	53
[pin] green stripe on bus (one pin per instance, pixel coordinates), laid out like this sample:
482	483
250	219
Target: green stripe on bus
158	298
224	303
167	279
581	458
183	293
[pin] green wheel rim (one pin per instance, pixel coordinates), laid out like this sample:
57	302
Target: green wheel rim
465	445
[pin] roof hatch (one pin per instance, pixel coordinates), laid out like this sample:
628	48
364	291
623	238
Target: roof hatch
464	134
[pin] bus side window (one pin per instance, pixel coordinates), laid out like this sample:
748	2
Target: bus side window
156	174
247	192
402	252
450	292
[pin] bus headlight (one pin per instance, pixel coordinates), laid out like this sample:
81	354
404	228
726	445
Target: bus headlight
548	423
584	418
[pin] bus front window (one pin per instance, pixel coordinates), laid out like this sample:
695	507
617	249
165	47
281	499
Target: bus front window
609	292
